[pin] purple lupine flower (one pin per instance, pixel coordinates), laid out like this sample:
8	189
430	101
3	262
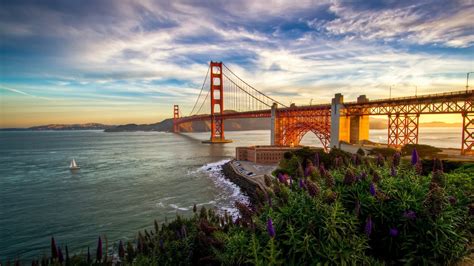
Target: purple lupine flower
121	250
437	165
307	171
316	159
54	248
414	157
393	232
409	214
393	171
452	200
88	255
301	183
99	249
183	231
368	226
363	176
357	208
372	189
380	160
161	243
67	255
280	178
396	159
60	255
354	159
322	170
270	229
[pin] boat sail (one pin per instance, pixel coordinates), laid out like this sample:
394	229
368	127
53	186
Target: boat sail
73	165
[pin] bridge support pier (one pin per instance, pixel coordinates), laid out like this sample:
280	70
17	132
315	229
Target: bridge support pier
359	124
273	124
402	129
175	118
467	147
336	126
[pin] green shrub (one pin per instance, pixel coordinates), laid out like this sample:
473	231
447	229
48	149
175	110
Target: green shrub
422	149
385	152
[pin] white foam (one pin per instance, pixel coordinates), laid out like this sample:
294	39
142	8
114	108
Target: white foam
229	192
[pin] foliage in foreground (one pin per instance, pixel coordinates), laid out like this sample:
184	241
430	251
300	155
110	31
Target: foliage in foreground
331	208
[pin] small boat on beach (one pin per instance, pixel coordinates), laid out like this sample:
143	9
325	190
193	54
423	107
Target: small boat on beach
73	165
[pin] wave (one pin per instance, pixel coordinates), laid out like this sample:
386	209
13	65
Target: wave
229	192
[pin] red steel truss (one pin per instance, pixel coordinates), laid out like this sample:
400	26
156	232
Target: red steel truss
402	129
467	133
175	118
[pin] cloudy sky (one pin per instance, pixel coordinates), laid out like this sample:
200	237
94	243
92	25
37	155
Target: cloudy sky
130	61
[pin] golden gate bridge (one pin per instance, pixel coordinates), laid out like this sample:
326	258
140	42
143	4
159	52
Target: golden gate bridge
331	123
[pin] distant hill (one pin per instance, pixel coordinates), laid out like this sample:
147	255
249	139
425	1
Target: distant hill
87	126
380	123
197	126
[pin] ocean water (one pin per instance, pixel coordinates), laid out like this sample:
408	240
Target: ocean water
126	181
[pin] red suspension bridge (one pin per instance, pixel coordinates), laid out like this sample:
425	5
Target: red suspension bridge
331	123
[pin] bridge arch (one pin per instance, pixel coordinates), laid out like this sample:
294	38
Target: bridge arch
294	132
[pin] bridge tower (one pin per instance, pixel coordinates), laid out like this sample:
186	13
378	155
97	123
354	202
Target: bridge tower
217	102
175	118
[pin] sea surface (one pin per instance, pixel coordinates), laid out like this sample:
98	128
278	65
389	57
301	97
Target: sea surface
126	181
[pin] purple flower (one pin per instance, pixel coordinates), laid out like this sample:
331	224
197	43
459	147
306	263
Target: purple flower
60	255
354	159
301	183
161	243
322	170
393	171
270	202
396	159
452	200
316	159
99	249
410	215
281	178
393	232
380	160
357	208
372	189
307	171
362	176
121	249
88	255
368	226
67	255
414	157
54	248
270	229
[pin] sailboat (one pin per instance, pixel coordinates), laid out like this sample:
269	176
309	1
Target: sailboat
73	165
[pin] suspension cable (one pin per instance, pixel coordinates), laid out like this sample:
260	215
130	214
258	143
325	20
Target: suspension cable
202	87
250	95
252	87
